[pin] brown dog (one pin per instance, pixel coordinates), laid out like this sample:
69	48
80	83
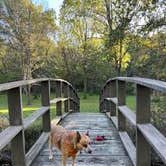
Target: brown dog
68	142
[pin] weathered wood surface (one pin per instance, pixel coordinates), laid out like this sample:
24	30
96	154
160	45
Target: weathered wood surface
130	115
130	148
54	101
105	153
155	138
150	83
29	120
9	133
35	149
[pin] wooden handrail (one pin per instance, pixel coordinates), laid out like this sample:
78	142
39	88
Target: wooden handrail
112	99
11	85
15	132
149	83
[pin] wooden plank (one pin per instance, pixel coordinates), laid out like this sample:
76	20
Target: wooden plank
64	81
129	146
129	114
16	119
66	95
114	100
55	100
45	101
142	116
11	85
33	152
155	138
88	160
8	134
114	119
150	83
121	101
29	120
58	119
110	151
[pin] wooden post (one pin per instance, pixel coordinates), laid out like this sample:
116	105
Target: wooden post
66	103
143	149
113	94
15	118
71	101
108	102
121	101
58	94
100	102
45	100
59	108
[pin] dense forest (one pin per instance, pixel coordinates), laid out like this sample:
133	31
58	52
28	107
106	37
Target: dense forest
89	42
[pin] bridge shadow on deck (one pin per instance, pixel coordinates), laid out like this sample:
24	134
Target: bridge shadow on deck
109	152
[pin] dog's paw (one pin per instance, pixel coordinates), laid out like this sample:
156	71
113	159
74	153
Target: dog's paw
50	157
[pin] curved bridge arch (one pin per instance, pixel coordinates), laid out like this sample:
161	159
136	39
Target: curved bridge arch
112	101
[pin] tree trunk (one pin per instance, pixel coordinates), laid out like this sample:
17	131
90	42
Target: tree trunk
85	88
120	58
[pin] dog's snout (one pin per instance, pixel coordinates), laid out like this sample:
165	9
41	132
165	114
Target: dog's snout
90	151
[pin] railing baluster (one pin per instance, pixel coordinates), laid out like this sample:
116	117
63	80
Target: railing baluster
71	101
66	103
121	101
58	94
45	100
113	94
15	117
143	149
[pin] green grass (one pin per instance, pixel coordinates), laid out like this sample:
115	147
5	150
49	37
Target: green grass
91	104
130	101
27	109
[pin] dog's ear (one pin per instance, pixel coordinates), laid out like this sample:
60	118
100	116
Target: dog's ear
87	133
76	139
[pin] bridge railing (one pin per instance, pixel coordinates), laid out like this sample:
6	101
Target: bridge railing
14	134
113	101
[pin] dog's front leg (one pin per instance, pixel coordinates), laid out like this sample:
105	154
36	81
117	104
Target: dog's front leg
64	158
50	149
73	160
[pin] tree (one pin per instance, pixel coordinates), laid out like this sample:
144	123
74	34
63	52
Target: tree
80	28
24	27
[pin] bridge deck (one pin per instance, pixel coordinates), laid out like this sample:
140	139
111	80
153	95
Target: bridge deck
105	153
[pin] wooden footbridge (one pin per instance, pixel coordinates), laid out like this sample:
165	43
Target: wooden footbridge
116	149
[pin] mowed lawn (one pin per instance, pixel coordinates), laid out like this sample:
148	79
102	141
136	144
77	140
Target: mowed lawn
27	109
91	104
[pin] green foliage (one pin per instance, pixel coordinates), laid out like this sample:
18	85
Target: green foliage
24	37
95	40
158	112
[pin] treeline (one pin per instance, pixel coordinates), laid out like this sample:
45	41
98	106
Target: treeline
93	41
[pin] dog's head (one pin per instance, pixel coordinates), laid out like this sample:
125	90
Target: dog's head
82	142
